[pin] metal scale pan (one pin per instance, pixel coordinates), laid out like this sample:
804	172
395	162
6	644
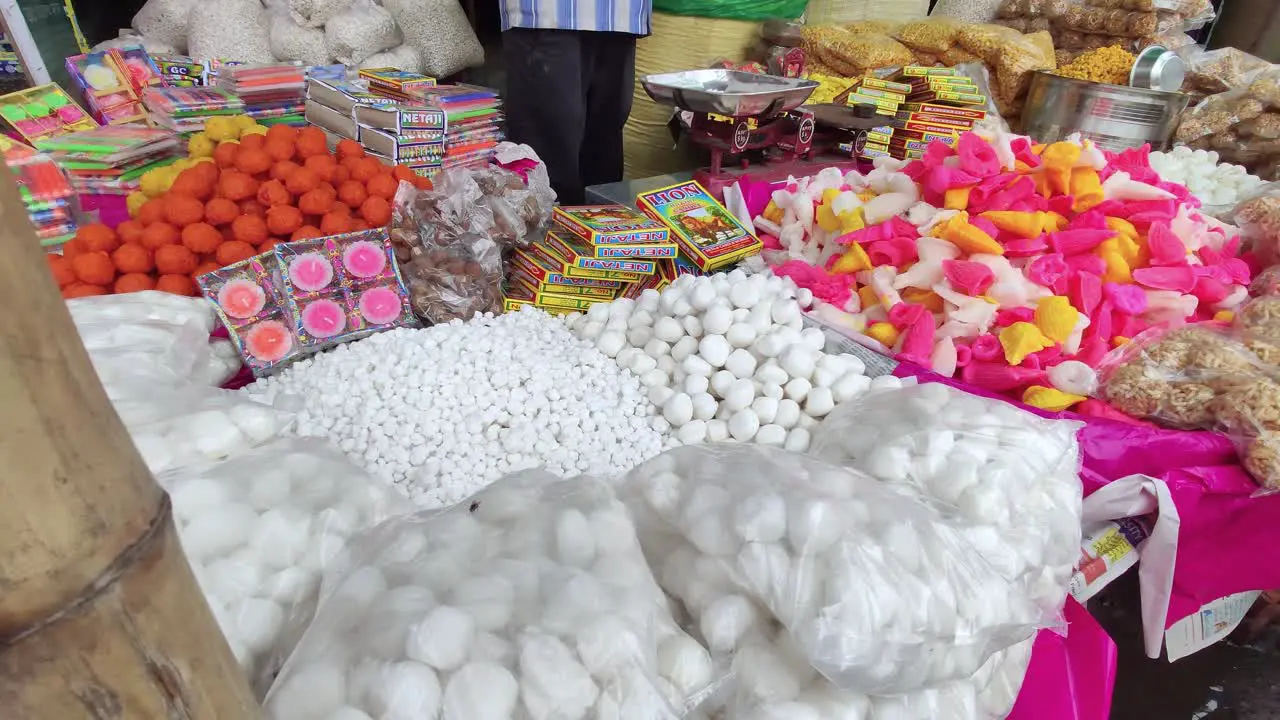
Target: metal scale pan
728	92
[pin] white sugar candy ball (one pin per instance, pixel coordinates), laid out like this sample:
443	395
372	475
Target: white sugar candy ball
764	675
685	663
693	432
744	294
489	599
797	440
684	347
740	335
697	366
726	621
313	690
407	690
258	623
704	406
799	360
744	425
849	387
717	320
761	517
714	349
575	543
349	713
740	395
769	373
771	435
741	363
552	684
721	381
765	408
481	691
717	431
678	410
798	389
668	329
608	643
813	526
218	530
442	640
611	342
696	384
787	413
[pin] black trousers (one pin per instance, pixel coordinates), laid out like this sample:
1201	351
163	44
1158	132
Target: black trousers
568	96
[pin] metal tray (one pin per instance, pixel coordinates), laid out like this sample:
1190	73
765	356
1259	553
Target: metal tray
728	92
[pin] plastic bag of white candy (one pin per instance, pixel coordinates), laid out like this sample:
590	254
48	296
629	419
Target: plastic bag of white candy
532	600
1011	474
881	591
260	528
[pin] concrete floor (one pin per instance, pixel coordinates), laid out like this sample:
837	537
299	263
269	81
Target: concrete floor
1237	679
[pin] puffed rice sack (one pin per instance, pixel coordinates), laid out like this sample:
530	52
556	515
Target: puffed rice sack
360	31
440	32
229	30
404	57
319	12
291	41
165	21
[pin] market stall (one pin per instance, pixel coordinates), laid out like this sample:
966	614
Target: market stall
931	329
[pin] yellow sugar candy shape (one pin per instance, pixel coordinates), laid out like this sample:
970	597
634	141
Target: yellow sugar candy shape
1122	226
772	213
1020	223
827	220
1055	318
1118	270
1020	340
928	298
956	198
1059	158
1051	399
1053	222
1224	316
829	195
867	296
1086	187
970	239
854	260
885	333
851	220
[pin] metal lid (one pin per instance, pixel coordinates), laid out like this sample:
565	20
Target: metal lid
1158	69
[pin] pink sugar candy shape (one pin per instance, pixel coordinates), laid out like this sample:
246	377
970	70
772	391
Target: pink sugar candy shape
1020	190
970	278
1091	220
1100	325
241	298
984	225
941	179
269	341
1180	278
964	354
1210	291
1047	270
917	341
380	305
1074	242
904	314
1238	269
986	348
1021	147
1047	357
770	242
1009	316
1128	299
896	252
323	319
310	271
1165	247
1092	350
977	157
1087	263
998	376
1127	325
364	259
1085	292
1025	247
1062	204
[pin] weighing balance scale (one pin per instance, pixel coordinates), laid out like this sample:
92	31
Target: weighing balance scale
761	124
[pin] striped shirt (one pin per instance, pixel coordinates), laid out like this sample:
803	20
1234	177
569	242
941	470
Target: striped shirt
627	16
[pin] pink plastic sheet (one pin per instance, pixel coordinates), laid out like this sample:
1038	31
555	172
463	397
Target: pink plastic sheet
1227	531
1071	677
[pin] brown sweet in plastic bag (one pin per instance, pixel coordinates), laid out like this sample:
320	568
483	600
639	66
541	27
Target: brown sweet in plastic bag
930	35
855	53
1216	71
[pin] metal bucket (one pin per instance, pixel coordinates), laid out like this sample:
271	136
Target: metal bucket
1115	117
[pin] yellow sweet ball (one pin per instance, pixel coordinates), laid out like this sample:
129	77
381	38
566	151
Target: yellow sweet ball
244	122
155	183
221	129
253	130
201	146
134	202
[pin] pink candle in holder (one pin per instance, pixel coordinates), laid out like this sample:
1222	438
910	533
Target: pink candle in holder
364	259
269	341
310	271
380	305
241	299
323	319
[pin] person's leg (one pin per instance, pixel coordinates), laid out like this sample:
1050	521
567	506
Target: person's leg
544	102
609	80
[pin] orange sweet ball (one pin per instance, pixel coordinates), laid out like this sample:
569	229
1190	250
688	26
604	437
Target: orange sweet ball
94	267
247	229
339	175
253	207
321	165
253	141
365	169
152	211
61	269
306	232
206	171
130	231
133	259
158	235
402	173
134	282
273	192
376	211
177	285
182	210
312	141
283	169
317	202
98	238
73	247
340	207
282	133
349	148
234	185
205	267
79	290
225	154
201	238
279	150
359	225
253	161
220	211
268	245
335	223
192	184
175	260
283	220
302	181
423	183
233	252
384	186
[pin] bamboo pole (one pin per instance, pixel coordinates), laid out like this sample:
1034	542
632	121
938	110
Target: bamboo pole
100	615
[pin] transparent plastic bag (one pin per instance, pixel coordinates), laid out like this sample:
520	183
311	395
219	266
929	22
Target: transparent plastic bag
147	305
260	528
988	463
165	21
855	53
440	32
1258	219
932	35
360	31
879	591
229	30
531	600
1266	282
293	41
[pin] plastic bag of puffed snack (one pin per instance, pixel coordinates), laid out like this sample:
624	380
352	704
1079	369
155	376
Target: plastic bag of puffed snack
1266	282
1258	219
440	32
293	41
852	54
230	30
530	600
1210	72
932	35
165	21
361	30
880	591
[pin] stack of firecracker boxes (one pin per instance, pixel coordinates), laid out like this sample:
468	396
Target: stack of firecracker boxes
600	253
921	104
